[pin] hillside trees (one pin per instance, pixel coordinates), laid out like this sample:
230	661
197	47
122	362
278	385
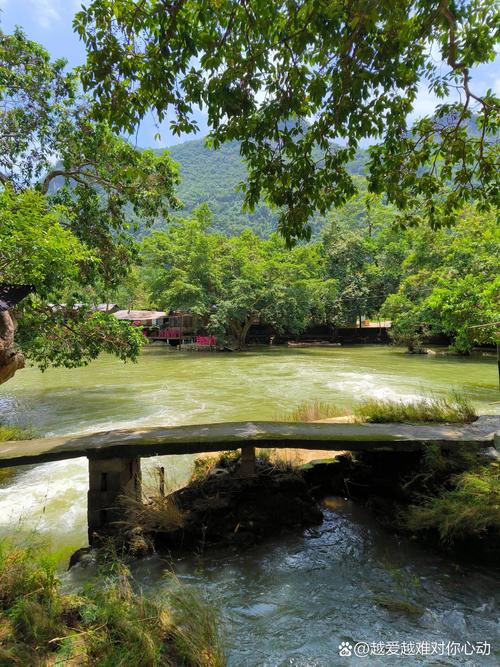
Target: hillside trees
64	228
233	282
212	177
289	79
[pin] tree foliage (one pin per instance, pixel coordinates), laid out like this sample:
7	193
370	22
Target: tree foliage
428	282
364	251
64	228
290	78
232	282
450	284
37	247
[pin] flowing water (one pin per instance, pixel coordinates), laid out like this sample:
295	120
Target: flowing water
289	602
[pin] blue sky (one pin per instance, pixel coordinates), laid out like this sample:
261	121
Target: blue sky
49	22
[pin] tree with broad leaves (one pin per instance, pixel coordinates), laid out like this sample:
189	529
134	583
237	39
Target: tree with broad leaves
289	78
64	227
364	251
233	282
450	284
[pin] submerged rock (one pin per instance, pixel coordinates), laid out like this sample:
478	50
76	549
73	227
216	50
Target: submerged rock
83	557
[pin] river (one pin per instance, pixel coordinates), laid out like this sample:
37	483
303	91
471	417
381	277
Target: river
289	602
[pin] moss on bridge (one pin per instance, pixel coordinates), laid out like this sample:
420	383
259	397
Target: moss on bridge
233	435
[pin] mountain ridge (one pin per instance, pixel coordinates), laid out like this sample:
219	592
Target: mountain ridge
211	176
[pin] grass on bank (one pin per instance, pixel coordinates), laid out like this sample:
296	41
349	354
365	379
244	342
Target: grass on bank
13	433
470	507
270	459
204	465
454	408
106	624
158	510
153	513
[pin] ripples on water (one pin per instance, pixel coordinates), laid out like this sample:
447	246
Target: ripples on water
289	602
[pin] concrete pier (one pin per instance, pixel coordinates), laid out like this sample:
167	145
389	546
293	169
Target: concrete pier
108	480
247	461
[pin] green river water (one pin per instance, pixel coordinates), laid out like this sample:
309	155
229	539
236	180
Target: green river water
292	601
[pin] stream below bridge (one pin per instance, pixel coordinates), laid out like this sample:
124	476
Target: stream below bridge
292	601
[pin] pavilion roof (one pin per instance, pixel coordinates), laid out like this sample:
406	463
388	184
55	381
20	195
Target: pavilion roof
139	314
11	295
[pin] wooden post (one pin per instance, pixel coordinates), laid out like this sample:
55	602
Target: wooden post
161	479
247	462
108	480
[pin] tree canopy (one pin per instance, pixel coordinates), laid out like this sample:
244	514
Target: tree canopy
290	78
232	282
64	227
450	284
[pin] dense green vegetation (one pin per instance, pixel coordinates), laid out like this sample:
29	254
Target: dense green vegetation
212	177
428	282
107	623
76	223
450	283
231	282
289	79
70	243
470	507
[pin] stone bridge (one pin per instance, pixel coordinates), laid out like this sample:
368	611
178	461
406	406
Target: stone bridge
114	456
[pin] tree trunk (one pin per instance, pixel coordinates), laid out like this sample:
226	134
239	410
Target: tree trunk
10	359
240	331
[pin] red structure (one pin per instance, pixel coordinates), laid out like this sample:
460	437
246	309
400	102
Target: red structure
206	340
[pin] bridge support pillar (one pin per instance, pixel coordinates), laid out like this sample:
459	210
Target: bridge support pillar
108	480
247	461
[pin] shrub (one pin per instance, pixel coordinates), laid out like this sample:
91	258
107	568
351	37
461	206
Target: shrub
471	507
194	630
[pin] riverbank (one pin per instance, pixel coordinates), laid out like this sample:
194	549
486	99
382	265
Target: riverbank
447	500
105	623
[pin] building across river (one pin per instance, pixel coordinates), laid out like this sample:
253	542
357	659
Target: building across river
188	331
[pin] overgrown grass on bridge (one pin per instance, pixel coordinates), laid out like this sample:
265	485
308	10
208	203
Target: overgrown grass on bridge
454	408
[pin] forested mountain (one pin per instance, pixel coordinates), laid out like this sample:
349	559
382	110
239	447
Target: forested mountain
212	177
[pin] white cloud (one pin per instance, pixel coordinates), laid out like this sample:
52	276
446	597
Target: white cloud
46	12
